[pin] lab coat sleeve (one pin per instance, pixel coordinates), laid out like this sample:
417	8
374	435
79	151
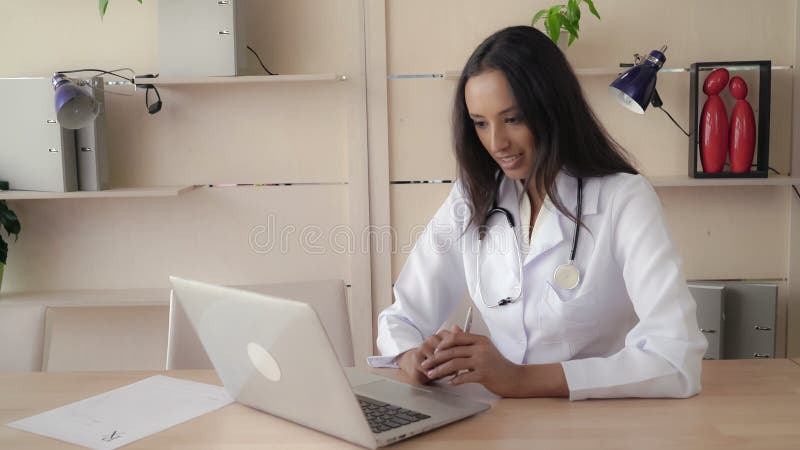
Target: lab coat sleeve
431	284
663	352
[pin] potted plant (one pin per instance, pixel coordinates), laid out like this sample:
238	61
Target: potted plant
564	18
104	5
9	222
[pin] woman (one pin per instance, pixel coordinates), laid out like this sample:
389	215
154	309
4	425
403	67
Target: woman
618	321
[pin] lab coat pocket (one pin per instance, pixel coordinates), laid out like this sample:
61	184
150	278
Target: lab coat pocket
568	320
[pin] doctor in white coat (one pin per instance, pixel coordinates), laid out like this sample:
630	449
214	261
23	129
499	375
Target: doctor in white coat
597	309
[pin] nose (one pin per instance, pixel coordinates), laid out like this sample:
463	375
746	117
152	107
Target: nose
498	139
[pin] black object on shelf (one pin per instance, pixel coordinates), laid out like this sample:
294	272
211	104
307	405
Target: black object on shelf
3	185
758	75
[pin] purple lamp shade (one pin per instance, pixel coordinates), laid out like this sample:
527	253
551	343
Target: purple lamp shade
75	107
634	89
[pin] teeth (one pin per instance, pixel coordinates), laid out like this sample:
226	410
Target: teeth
509	159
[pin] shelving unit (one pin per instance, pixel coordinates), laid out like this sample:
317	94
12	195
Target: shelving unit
686	181
165	191
455	74
248	79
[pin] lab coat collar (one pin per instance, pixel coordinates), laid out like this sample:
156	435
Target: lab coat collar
557	226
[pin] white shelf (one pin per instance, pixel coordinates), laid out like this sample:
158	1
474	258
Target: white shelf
686	181
166	81
88	297
166	191
455	74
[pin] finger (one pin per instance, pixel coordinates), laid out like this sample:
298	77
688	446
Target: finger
455	329
458	339
449	368
429	346
443	356
465	377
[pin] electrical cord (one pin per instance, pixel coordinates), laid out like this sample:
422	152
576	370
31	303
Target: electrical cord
260	62
778	173
673	120
658	103
108	72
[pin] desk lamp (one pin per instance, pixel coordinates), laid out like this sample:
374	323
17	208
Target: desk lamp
636	87
75	108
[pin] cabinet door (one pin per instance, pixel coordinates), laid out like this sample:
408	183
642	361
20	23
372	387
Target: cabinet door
750	325
710	317
197	37
36	154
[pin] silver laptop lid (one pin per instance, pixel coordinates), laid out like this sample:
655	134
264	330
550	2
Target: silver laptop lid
272	354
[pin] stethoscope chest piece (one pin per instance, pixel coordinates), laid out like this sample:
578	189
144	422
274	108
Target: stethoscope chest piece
567	276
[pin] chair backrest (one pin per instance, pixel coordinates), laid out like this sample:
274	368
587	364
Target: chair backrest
327	297
91	338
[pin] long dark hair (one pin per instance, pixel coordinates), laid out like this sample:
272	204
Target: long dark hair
566	132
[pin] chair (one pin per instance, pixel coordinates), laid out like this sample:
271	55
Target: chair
328	298
92	338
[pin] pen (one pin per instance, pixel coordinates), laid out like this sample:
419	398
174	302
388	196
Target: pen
465	328
468	320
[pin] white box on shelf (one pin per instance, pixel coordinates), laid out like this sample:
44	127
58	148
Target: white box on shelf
201	37
36	154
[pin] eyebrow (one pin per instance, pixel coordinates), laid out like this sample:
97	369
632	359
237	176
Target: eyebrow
507	110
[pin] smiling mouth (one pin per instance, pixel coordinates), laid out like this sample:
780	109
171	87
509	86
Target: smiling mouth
510	159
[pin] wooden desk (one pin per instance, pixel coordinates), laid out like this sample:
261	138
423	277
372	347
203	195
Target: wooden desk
744	404
797	360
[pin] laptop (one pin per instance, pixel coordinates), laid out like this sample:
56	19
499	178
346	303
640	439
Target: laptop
273	355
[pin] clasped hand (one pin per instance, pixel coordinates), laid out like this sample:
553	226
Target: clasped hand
471	358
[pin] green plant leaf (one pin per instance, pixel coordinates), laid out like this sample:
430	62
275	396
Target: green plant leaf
9	220
573	12
573	31
592	9
103	6
3	251
553	26
538	16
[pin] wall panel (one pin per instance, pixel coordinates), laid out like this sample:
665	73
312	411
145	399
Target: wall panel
222	235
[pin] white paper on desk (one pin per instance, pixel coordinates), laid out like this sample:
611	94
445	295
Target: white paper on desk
128	413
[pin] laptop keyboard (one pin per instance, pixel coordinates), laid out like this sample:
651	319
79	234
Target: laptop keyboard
384	416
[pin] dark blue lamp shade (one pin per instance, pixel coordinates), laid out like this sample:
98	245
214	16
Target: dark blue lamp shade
75	107
634	88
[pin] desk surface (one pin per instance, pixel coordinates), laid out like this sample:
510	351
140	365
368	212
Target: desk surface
744	404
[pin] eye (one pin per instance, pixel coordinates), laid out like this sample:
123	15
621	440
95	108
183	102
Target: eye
479	123
513	120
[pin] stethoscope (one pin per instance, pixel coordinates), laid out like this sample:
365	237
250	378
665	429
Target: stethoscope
566	276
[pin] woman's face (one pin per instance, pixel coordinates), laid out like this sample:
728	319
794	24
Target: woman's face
499	123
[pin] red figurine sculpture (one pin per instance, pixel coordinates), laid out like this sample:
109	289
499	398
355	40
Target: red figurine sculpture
742	128
714	123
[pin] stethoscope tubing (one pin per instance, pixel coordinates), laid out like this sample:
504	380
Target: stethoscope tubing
573	271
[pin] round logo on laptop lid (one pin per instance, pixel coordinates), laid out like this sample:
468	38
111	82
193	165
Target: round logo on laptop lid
264	362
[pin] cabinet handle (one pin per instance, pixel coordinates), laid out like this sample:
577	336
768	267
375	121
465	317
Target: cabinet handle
86	149
223	2
703	330
763	328
759	355
225	32
52	150
51	121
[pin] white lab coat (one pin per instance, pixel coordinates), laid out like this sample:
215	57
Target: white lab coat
628	330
